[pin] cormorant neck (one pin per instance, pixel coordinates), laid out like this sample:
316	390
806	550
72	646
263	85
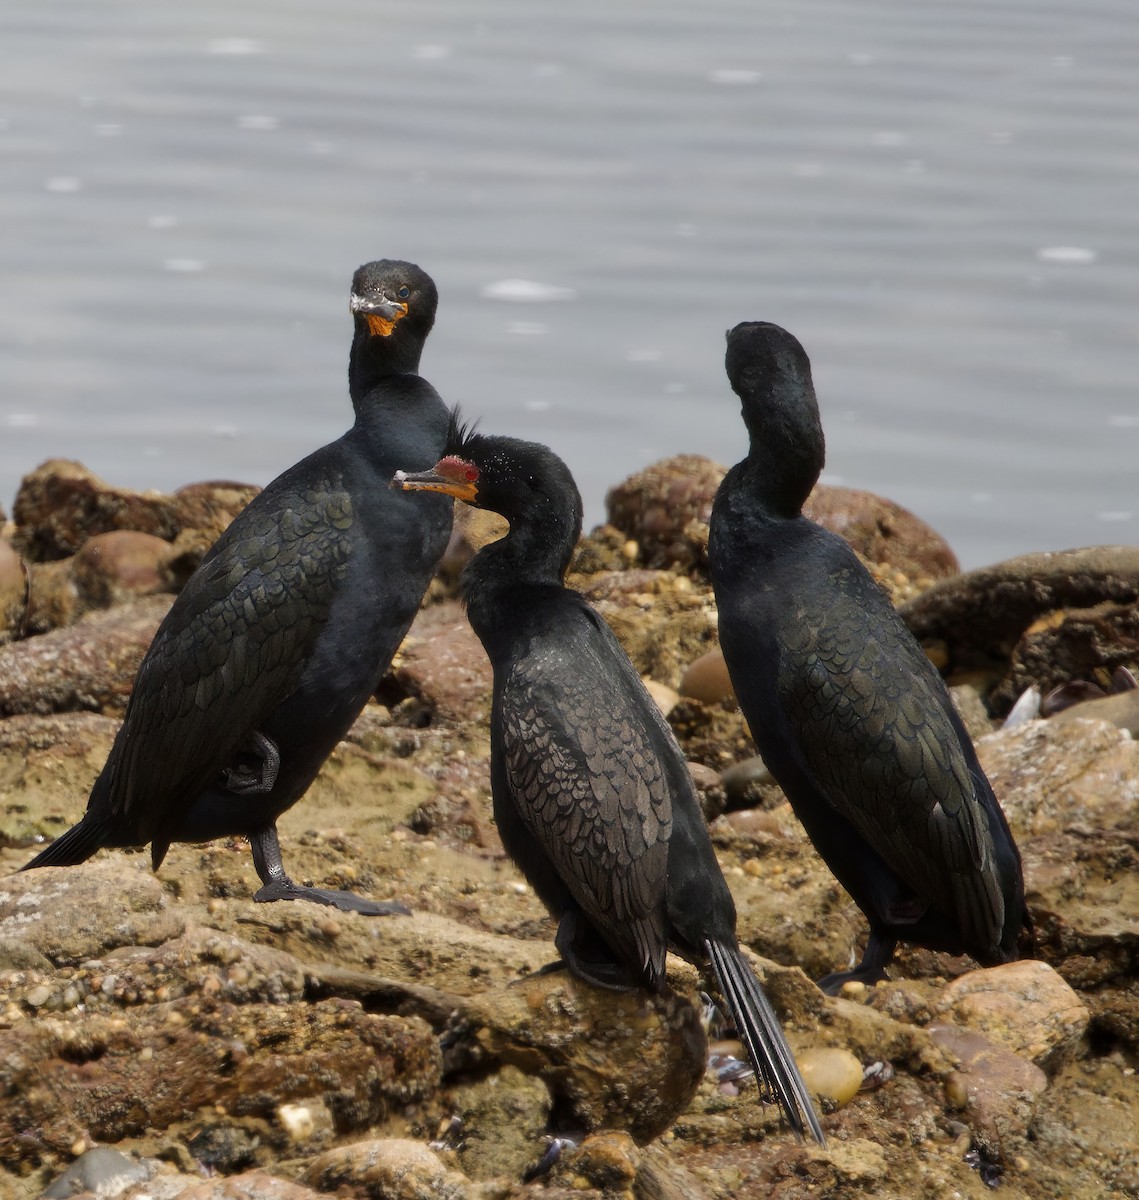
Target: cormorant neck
533	552
787	449
373	357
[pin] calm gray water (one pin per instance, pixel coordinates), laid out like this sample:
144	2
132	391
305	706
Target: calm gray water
939	200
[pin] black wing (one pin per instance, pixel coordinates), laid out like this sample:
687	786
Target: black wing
876	738
584	775
230	650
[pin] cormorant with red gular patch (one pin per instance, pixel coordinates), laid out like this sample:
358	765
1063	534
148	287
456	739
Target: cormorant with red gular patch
592	796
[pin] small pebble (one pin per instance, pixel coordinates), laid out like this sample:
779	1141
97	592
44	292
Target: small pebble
706	679
956	1091
297	1121
831	1072
737	778
39	996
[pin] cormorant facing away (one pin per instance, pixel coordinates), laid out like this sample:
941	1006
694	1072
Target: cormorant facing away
848	713
285	629
592	795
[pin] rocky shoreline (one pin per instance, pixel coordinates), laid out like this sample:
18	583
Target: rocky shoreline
166	1032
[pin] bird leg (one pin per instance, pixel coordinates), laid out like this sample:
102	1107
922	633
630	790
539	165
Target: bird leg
244	780
872	968
278	886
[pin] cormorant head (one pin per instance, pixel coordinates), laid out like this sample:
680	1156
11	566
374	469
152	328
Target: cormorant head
770	372
525	482
762	356
389	296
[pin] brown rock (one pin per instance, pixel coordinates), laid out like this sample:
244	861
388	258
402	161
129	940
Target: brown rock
504	1117
608	1161
387	1169
1024	1006
88	666
665	509
604	549
971	709
1071	644
14	585
61	504
250	1185
883	532
208	507
442	663
110	568
713	734
997	1090
53	596
664	697
109	1078
421	949
979	617
471	530
71	914
619	1060
113	567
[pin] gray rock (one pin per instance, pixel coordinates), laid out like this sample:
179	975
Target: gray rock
103	1171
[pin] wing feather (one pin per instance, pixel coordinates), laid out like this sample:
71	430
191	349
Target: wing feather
229	652
589	785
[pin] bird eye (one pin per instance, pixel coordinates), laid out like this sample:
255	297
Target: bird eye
404	292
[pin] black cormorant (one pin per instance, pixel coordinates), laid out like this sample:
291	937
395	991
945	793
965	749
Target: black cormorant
592	795
849	714
285	629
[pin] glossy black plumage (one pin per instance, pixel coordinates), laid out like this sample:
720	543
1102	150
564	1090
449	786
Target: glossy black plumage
592	795
284	631
847	711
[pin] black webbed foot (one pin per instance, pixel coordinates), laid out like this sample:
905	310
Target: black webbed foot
872	968
286	889
278	886
248	780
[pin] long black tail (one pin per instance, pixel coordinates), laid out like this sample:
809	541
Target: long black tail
75	846
761	1033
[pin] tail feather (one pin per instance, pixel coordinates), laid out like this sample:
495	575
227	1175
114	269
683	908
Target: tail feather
75	846
761	1033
